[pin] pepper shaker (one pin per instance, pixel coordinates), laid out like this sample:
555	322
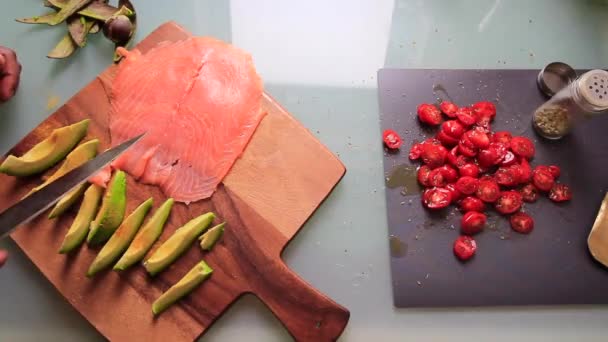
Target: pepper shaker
585	97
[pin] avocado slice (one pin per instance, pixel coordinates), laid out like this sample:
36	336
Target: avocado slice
121	239
80	227
77	157
112	210
146	237
177	243
211	236
189	282
46	153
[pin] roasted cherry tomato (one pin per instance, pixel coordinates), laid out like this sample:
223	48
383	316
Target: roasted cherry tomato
469	169
508	202
502	137
436	178
522	223
529	193
423	175
555	171
436	198
471	203
560	193
472	222
467	185
391	139
429	114
522	147
448	108
466	116
484	111
453	128
488	190
465	247
433	155
542	178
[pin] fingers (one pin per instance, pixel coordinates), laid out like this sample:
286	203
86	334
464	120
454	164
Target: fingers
3	257
10	71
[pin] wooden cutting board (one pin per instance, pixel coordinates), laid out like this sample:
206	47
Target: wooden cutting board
281	178
549	266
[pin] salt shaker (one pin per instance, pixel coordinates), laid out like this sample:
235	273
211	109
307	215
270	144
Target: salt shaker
585	97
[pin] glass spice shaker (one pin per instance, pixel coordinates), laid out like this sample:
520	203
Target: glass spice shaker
585	97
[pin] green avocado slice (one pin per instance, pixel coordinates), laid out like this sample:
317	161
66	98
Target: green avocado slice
46	153
79	228
74	159
121	239
112	210
177	243
189	282
146	237
211	236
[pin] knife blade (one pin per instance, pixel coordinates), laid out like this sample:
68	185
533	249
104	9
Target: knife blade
36	203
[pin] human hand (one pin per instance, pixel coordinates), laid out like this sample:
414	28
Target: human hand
3	257
10	71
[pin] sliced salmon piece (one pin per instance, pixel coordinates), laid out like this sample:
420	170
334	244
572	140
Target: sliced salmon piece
199	102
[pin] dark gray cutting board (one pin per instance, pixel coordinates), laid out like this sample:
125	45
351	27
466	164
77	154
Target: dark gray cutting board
551	265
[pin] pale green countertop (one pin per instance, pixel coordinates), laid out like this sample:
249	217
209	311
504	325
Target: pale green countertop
319	59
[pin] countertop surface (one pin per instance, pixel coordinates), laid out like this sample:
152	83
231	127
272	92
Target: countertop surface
319	59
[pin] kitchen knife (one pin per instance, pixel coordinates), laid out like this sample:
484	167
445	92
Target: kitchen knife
34	204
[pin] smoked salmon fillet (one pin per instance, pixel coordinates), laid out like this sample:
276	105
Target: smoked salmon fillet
199	102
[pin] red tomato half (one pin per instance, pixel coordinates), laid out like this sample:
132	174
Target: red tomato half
423	175
467	185
560	193
433	155
436	178
542	178
446	139
555	171
484	110
453	128
466	116
508	202
429	114
415	151
522	223
488	190
503	137
436	198
479	138
448	108
391	139
449	173
529	193
465	247
470	170
472	222
522	147
455	193
471	203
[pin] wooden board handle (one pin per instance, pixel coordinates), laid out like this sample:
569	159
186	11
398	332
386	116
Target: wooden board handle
307	314
256	246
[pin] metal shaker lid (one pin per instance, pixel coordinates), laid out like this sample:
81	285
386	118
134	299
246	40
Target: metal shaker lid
593	86
554	77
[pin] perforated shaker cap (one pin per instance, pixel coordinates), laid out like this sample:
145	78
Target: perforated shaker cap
593	86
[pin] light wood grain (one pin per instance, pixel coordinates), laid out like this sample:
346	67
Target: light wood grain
281	178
